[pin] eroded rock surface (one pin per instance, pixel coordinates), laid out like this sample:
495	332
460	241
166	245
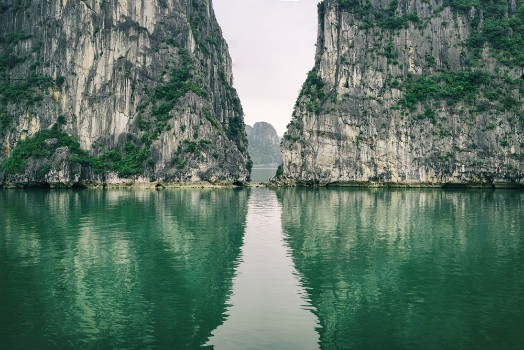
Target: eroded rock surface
412	92
264	145
125	92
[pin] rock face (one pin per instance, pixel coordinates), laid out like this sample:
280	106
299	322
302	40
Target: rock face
263	144
117	91
412	92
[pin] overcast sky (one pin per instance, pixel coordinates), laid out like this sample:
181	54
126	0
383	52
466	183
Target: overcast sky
272	44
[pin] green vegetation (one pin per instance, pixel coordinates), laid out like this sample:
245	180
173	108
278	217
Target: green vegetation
42	145
14	38
128	24
207	114
21	90
428	114
179	84
467	86
61	120
24	90
59	81
249	165
360	8
449	85
431	61
505	35
235	128
313	88
179	162
8	58
445	156
204	143
6	120
390	52
208	41
188	146
3	7
197	19
164	98
389	20
8	61
386	18
462	5
291	137
503	32
126	161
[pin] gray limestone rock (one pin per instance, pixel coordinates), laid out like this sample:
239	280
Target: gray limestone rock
264	145
136	91
411	92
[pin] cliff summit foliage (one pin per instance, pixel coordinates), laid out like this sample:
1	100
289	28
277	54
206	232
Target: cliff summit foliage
387	17
502	28
412	91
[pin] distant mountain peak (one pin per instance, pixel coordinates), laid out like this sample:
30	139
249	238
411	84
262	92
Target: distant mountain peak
263	144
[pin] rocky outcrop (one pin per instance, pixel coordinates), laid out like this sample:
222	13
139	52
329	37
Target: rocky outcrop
114	92
412	92
263	145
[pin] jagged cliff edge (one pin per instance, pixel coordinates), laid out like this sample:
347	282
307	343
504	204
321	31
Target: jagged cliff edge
117	92
412	92
264	145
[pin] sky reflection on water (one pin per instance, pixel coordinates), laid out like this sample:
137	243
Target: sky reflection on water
261	268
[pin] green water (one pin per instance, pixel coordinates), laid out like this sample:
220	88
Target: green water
261	269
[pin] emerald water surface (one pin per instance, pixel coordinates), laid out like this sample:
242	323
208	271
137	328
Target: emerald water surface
262	269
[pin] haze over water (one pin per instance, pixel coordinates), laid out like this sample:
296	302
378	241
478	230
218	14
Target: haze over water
285	268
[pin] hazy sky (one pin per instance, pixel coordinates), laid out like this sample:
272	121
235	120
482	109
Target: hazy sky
272	44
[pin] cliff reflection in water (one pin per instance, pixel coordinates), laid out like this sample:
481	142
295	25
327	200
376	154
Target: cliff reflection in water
116	269
269	308
410	269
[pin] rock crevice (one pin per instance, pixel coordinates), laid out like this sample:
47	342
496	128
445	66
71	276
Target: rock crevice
140	90
411	92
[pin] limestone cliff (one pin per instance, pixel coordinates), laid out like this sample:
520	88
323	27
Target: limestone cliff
412	92
117	91
263	145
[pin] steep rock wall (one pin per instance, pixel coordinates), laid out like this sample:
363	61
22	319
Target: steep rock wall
412	92
117	91
264	144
